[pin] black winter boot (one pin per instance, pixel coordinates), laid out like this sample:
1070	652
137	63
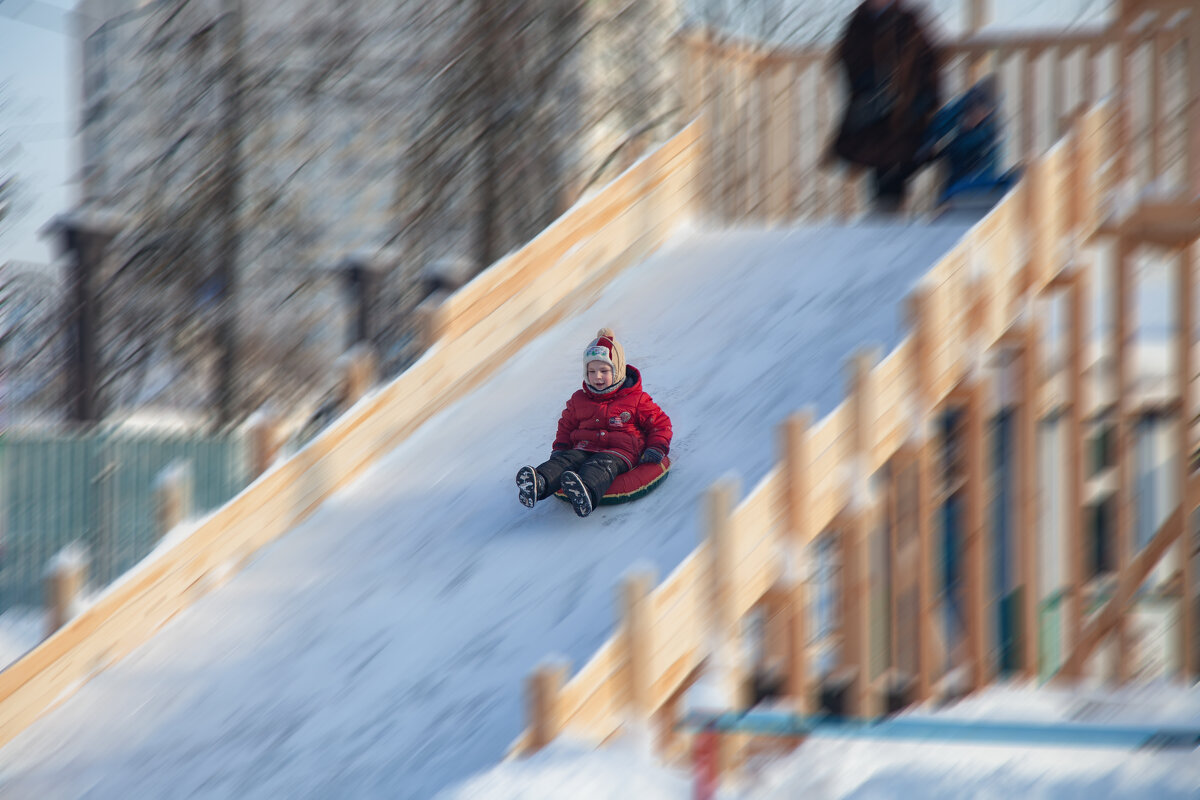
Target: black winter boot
577	493
531	486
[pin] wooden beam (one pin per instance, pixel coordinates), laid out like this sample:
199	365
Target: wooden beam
1154	131
543	693
856	534
979	14
1168	224
1036	41
1123	116
796	471
638	637
1090	75
1028	497
923	343
1123	329
976	583
896	586
1027	130
1192	95
1184	359
1078	300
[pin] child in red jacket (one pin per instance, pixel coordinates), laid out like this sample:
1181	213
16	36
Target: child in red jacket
608	426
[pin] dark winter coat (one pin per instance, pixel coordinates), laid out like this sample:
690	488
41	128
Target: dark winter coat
891	71
624	422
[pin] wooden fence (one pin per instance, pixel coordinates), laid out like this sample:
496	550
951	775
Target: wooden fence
773	110
520	296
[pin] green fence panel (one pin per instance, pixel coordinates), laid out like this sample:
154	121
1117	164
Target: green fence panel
98	489
1050	653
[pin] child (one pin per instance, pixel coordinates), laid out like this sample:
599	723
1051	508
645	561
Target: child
608	426
965	134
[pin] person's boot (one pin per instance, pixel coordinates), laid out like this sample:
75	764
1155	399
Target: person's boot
531	486
577	493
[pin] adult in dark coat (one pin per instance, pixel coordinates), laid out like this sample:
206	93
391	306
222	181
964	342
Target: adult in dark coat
891	70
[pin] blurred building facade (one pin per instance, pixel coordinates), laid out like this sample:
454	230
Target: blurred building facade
311	108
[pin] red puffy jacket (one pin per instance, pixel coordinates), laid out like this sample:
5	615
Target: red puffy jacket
625	422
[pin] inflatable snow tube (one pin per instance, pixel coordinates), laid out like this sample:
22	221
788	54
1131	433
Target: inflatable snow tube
637	482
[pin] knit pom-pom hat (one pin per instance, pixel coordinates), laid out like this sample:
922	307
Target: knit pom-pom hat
604	348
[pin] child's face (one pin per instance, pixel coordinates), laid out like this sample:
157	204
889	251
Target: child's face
599	375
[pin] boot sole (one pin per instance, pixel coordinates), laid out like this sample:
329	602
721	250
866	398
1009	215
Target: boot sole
576	492
527	486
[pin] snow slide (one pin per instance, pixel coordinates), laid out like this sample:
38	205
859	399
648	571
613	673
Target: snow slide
379	649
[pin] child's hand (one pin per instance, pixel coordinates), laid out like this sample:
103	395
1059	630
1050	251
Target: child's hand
651	456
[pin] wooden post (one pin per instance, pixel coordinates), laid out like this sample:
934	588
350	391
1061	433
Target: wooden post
723	644
718	513
1123	122
824	78
975	549
979	14
173	496
62	582
793	153
1192	93
1028	499
896	585
264	440
543	695
636	635
768	119
1185	353
431	318
918	312
856	535
1057	93
1078	299
1154	124
796	461
707	108
1090	76
1077	185
357	367
1028	141
1123	329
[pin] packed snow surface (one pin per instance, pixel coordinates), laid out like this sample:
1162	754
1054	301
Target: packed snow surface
380	648
826	768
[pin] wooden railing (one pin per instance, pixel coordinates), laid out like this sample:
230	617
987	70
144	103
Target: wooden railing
763	162
520	296
773	110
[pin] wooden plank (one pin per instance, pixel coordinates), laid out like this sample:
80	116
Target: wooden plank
1027	511
976	584
797	476
856	536
1123	327
1185	288
1192	91
921	324
1079	300
1154	125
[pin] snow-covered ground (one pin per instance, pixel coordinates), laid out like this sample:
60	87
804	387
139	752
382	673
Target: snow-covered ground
20	631
862	769
379	649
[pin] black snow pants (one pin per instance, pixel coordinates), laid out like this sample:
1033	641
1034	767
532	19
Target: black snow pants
596	470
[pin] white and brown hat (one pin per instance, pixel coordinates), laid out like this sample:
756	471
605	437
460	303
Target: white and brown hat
606	349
